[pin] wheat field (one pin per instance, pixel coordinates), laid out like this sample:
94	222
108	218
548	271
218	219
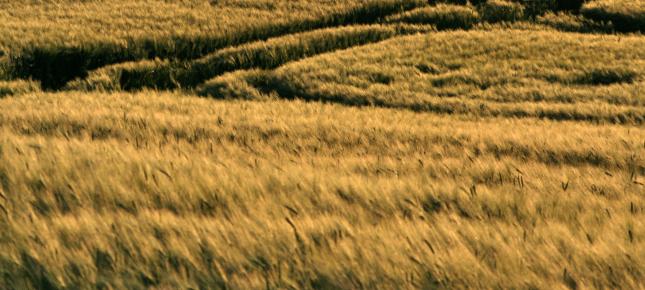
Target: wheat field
336	144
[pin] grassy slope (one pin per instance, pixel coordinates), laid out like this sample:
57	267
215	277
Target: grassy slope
168	190
508	73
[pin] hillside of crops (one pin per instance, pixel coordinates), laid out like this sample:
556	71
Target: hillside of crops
334	144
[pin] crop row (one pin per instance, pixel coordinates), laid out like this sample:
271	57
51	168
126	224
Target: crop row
262	54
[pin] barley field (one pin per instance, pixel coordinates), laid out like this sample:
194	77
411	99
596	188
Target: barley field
334	144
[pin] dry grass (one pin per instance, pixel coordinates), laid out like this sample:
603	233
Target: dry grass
57	41
171	191
508	156
509	73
